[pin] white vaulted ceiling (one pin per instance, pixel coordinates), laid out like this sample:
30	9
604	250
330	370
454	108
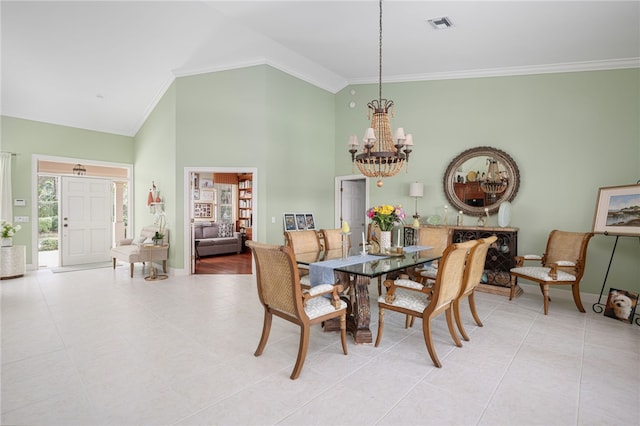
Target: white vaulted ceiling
103	65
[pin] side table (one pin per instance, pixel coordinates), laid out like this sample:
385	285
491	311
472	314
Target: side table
153	273
12	262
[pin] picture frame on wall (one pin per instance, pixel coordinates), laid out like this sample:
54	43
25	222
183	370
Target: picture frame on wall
618	211
301	222
206	183
206	195
203	210
621	305
289	222
196	194
310	222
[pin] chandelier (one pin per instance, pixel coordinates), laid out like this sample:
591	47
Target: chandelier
79	170
494	183
380	155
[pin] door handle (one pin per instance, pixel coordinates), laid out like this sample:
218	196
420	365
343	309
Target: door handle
65	225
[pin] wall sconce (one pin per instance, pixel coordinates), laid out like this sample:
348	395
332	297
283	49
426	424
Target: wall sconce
79	170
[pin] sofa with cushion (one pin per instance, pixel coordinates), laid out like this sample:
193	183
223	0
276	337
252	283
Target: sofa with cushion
216	238
133	250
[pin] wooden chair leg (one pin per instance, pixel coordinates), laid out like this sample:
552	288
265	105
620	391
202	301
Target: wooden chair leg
380	325
576	296
164	266
131	268
302	351
472	306
343	333
426	331
408	321
266	329
452	330
456	313
114	263
545	295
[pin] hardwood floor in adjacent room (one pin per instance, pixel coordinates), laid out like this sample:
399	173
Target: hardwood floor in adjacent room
225	264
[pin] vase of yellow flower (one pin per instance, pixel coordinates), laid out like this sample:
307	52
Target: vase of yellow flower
7	231
386	217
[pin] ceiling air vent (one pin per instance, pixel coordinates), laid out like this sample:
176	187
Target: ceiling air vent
440	23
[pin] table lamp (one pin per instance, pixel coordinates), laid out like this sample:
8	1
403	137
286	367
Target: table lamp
416	190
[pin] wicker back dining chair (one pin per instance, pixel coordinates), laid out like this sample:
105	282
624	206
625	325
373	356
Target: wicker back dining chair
563	263
427	303
332	239
302	242
473	270
280	293
438	237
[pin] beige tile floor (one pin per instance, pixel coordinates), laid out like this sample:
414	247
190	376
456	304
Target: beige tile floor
98	348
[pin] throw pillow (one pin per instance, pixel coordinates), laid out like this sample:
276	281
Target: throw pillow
210	232
139	240
226	229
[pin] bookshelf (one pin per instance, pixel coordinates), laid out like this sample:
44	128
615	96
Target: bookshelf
245	203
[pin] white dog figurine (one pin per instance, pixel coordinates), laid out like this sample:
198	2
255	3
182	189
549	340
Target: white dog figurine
621	304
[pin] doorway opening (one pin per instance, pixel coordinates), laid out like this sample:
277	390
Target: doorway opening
48	244
221	204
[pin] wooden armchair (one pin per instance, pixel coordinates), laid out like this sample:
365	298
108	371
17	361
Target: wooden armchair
473	270
280	293
439	238
427	303
332	239
563	263
303	242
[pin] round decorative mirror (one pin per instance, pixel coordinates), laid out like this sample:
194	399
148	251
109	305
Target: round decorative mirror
481	178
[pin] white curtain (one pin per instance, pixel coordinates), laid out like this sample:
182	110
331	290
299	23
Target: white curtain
6	209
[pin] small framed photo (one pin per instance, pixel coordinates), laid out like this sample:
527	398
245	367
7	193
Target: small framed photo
206	195
311	224
203	210
289	222
621	305
301	222
206	183
618	211
196	194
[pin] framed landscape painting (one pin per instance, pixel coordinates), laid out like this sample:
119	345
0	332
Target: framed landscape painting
618	211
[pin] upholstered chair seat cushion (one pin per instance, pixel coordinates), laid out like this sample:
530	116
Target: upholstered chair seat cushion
542	273
403	282
407	299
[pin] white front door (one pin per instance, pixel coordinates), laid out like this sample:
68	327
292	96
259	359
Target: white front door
86	222
353	208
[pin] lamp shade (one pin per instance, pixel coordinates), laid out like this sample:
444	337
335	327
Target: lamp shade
416	189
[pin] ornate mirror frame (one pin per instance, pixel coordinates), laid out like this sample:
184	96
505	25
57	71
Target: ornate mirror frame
506	165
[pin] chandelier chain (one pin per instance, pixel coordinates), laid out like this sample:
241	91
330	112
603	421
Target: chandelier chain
380	58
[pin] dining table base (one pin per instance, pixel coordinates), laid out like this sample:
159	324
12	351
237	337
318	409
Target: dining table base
358	311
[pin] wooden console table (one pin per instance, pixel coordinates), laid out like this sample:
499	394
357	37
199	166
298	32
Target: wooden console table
12	262
500	257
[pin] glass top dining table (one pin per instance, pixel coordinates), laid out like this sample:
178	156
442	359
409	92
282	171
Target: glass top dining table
371	265
362	268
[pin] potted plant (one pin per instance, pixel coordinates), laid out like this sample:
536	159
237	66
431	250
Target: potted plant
158	238
7	231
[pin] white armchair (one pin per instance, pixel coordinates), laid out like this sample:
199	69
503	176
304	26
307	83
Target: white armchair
133	250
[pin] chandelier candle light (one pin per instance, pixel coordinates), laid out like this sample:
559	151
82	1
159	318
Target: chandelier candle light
380	156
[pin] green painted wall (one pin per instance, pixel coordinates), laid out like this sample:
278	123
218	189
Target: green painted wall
569	134
155	162
263	118
26	138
